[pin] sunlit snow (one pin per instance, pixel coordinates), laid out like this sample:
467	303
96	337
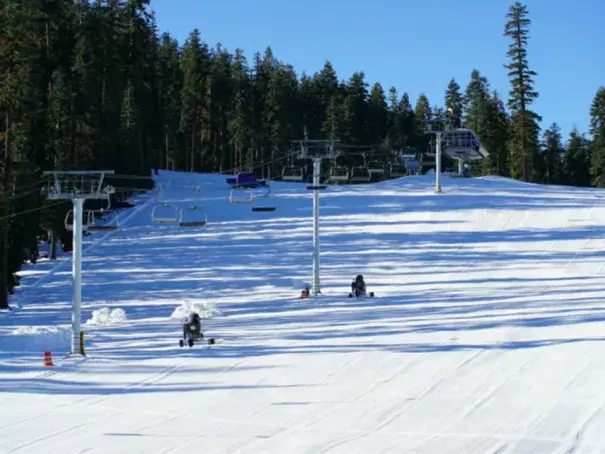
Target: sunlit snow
486	333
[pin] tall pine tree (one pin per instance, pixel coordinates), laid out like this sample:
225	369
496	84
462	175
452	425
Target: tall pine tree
476	104
524	145
576	160
494	130
597	144
454	104
238	118
378	114
170	81
552	151
194	66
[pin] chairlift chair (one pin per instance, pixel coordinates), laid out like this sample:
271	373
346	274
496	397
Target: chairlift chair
430	151
339	174
312	187
292	173
376	168
397	170
240	195
360	175
98	223
69	221
186	219
193	216
319	187
262	200
263	204
429	155
428	159
103	219
165	213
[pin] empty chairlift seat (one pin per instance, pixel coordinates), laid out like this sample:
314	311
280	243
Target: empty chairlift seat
69	220
463	144
165	213
103	220
263	201
193	216
397	170
339	174
240	195
292	173
360	175
376	168
264	204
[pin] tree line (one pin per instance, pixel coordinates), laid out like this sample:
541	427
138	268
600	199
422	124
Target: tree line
95	85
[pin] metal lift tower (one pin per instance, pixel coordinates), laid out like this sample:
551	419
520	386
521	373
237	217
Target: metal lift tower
77	186
316	150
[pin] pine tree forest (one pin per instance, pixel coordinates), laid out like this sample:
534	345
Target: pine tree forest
96	85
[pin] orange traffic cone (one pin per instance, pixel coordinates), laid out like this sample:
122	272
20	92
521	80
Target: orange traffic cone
48	359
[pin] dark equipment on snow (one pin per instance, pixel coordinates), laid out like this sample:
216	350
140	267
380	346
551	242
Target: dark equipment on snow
192	331
358	288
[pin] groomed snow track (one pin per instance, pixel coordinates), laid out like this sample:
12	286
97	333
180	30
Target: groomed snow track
486	333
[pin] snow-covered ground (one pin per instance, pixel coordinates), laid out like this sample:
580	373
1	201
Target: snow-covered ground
486	333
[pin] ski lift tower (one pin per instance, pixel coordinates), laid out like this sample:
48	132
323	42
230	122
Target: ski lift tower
77	186
460	144
316	150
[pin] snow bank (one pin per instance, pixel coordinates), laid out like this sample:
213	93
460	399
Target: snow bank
106	316
204	309
41	338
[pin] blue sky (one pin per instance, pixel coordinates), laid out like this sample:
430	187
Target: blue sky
415	46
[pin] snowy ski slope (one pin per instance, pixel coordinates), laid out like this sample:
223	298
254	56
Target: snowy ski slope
486	333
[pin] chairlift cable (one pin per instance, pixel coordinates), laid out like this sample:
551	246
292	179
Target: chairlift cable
42	207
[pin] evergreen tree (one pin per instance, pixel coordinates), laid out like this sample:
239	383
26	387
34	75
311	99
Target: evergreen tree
552	151
494	130
21	105
378	114
394	137
346	125
329	99
476	102
576	160
407	123
454	104
423	111
597	144
264	107
393	99
280	111
310	105
129	130
170	81
194	66
423	114
325	88
219	105
357	92
524	122
268	90
238	119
